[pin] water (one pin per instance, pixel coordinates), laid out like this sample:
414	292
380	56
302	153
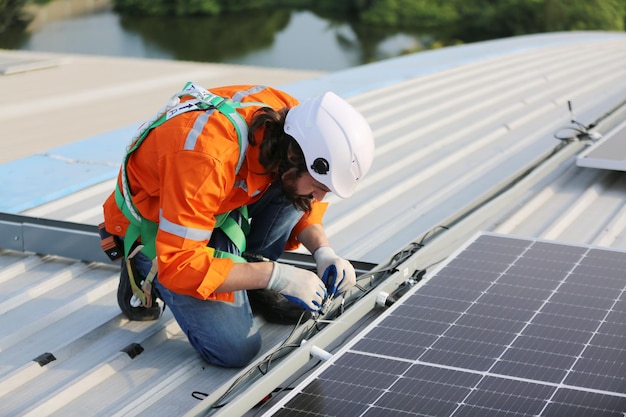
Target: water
283	39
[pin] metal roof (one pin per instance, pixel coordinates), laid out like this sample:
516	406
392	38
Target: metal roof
464	142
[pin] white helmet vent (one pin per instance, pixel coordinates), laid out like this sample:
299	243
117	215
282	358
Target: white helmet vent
320	166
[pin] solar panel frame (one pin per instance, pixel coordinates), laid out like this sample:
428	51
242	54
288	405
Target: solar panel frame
609	152
506	326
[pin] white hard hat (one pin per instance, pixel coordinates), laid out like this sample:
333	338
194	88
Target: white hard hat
336	140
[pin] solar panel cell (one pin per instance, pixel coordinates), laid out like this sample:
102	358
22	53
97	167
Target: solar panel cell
566	321
436	303
476	321
505	397
457	359
474	275
589	290
573	312
538	366
511	301
537	277
541	344
611	340
438	391
390	348
497	337
576	403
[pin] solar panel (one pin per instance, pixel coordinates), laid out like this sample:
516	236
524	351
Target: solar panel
506	327
607	153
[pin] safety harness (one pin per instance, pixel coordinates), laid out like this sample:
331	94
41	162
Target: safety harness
141	232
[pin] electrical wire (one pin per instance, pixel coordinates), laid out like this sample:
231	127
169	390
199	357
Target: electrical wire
263	366
295	377
582	132
375	277
579	134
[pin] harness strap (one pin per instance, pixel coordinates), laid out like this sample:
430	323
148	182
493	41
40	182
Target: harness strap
140	228
236	232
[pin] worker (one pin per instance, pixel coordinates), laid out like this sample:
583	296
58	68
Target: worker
254	158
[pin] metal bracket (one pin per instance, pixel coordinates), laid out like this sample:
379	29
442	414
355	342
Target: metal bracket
51	237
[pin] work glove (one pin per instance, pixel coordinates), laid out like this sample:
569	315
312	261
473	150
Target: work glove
336	273
298	286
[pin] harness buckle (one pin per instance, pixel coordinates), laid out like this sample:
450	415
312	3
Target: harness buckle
217	101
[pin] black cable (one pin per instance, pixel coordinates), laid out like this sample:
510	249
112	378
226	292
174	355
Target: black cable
580	134
198	395
264	366
288	383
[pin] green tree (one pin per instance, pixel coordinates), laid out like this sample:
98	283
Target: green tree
562	15
202	7
407	13
476	20
12	14
489	19
167	8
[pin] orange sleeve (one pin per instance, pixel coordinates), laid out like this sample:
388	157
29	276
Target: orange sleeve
318	208
114	220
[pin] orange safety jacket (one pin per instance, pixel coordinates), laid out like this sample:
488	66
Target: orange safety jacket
183	175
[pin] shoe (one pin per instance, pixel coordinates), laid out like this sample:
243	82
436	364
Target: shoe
125	293
275	308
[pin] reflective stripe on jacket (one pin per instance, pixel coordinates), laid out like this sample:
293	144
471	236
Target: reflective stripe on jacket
183	175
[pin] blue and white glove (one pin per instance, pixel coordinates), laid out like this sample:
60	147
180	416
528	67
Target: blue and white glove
298	286
336	273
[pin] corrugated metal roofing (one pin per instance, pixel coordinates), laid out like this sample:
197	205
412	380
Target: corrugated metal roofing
465	142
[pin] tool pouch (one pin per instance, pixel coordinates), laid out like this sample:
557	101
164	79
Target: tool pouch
111	245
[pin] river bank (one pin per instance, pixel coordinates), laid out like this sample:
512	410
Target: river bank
63	9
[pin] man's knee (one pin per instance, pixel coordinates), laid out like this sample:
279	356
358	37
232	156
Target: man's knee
231	353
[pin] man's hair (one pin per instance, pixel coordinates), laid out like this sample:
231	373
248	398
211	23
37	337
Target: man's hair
279	152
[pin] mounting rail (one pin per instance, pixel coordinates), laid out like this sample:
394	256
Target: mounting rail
82	241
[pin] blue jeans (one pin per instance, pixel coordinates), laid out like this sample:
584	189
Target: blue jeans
225	334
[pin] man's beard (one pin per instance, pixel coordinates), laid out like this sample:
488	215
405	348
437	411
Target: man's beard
289	182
